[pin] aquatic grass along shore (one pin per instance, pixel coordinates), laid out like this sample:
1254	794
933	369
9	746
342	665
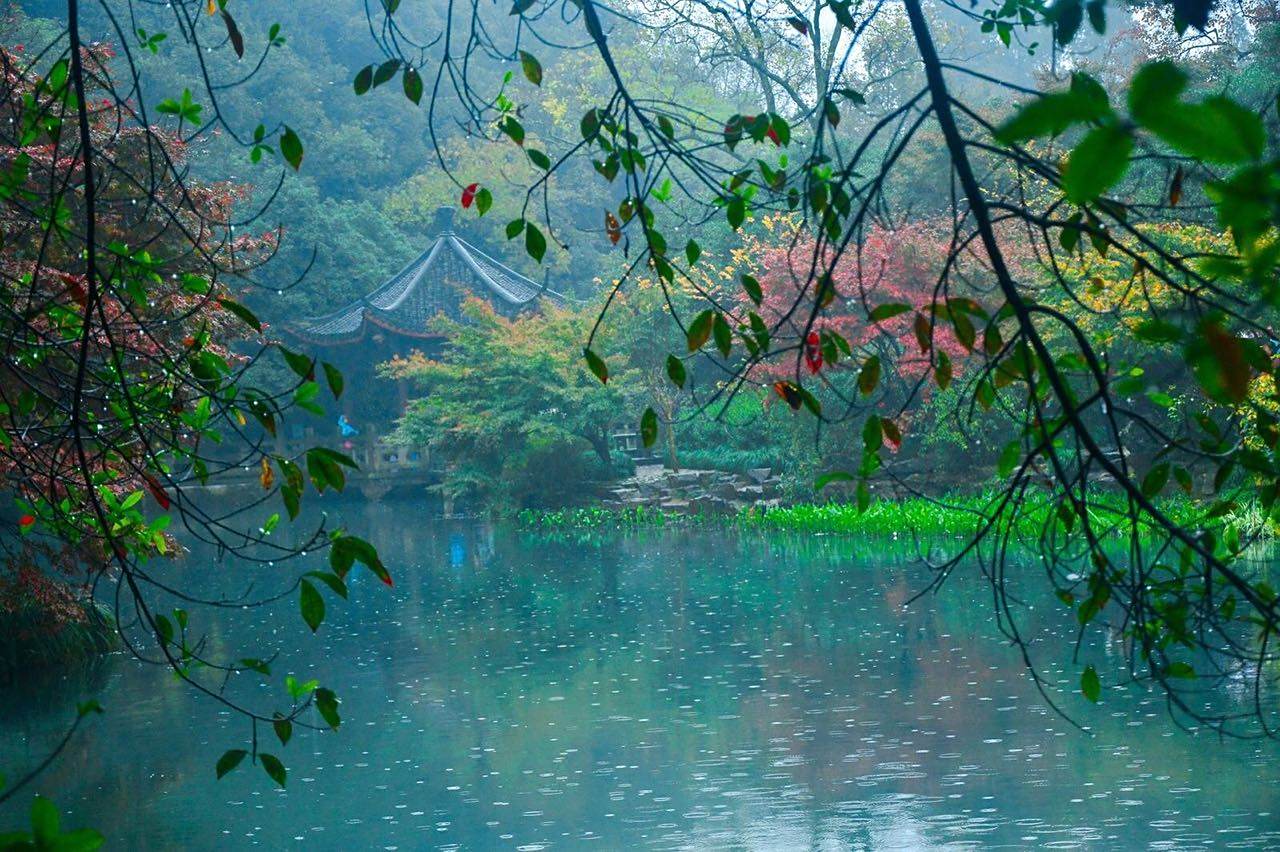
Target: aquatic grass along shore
952	515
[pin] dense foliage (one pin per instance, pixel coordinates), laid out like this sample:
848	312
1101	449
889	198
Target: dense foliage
831	226
1086	165
121	394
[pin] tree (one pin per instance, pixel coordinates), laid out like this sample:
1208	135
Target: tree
119	284
1192	611
510	408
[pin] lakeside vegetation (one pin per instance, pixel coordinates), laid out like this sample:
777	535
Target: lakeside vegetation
948	516
1024	256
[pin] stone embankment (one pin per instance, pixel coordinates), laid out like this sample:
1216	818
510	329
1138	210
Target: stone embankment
697	492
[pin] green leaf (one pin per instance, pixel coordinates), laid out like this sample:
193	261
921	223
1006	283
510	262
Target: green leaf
1097	163
1157	331
1153	483
412	84
888	310
164	627
514	228
872	434
1053	113
863	496
311	604
676	371
241	312
302	366
699	331
333	376
45	823
534	242
590	124
752	288
1097	12
292	499
274	768
1090	686
345	550
256	665
539	159
736	211
1066	17
283	729
291	148
299	690
531	67
1009	456
333	581
512	127
723	335
1153	87
327	705
833	476
649	427
229	761
942	372
869	375
1179	670
385	72
831	111
79	840
364	80
596	365
1216	130
692	251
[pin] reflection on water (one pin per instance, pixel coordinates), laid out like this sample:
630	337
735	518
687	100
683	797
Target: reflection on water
672	690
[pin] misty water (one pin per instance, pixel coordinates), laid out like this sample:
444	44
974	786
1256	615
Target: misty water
667	689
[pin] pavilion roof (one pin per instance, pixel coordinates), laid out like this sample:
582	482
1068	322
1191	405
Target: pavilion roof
434	283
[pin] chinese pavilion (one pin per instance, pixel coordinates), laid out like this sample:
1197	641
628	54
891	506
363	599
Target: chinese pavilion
396	319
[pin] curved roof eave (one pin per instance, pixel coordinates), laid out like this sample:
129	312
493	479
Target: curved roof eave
348	323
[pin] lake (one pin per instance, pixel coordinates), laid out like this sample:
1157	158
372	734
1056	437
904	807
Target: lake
678	689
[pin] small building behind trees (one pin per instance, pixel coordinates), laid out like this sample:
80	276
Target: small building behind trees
396	319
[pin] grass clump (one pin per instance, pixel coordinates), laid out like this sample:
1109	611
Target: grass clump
32	642
948	516
597	518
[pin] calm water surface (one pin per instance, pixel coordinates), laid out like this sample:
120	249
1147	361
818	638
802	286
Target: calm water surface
670	690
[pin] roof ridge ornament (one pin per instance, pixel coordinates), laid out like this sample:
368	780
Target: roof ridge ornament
444	219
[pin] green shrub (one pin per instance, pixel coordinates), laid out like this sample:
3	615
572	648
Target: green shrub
33	640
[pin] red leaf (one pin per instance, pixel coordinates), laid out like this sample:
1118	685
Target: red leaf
773	135
156	491
892	434
612	228
788	392
813	352
75	286
800	24
26	521
469	195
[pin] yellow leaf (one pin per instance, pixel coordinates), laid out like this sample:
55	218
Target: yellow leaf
268	476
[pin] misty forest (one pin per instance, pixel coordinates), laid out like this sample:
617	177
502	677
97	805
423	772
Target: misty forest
680	424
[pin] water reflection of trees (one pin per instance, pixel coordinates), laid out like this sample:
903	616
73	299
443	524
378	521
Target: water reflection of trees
779	679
